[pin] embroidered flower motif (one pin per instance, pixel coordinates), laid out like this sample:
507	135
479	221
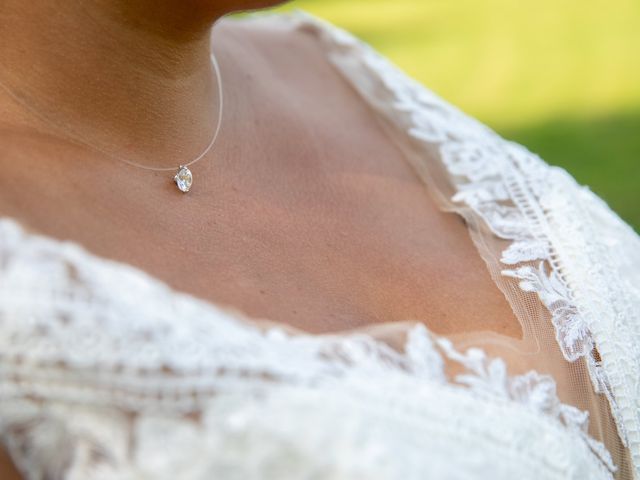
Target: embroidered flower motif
525	250
572	333
482	192
476	161
488	378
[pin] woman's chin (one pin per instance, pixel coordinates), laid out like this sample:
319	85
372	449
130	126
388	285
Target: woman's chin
241	5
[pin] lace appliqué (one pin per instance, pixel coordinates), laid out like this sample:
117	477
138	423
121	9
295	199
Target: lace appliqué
488	378
518	196
571	331
503	183
68	424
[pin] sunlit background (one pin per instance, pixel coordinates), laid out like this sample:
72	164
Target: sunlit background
561	77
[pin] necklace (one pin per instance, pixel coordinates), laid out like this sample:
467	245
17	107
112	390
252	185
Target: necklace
184	177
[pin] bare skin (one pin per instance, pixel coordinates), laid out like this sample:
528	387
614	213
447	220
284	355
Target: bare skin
304	213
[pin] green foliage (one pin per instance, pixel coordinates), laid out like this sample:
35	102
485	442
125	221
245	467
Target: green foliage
560	77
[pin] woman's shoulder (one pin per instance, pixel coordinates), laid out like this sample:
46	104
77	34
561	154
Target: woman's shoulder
563	242
469	147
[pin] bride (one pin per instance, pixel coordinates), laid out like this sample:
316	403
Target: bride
252	248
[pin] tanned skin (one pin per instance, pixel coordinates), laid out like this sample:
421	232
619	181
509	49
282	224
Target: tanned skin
305	212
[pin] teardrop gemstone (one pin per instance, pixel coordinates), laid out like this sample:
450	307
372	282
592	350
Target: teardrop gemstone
183	179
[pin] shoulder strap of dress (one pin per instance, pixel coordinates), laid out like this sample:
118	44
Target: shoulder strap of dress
566	245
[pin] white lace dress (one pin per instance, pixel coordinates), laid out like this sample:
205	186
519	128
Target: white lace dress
107	373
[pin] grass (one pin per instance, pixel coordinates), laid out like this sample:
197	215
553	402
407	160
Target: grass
560	77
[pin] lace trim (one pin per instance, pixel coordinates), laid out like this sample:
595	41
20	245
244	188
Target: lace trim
596	245
510	187
503	183
133	366
488	378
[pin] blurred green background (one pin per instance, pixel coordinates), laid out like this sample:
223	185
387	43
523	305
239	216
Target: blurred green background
561	77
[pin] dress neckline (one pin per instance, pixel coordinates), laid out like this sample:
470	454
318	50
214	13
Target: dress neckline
510	193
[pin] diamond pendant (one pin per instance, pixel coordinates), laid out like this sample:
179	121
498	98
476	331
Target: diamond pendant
183	179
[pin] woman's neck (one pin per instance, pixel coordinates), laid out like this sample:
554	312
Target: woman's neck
132	78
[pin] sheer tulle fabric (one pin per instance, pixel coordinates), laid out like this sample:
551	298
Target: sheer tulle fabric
106	373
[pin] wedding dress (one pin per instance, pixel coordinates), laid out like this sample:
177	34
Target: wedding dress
107	373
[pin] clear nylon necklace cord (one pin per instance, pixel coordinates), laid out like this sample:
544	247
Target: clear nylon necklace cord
214	137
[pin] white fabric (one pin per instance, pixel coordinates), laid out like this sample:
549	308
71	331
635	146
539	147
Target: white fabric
107	373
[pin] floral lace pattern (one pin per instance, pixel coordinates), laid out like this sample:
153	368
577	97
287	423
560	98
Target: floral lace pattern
490	179
571	331
97	384
488	377
66	383
524	200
